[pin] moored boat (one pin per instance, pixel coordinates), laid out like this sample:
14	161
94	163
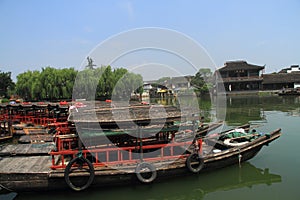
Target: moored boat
5	133
289	92
206	155
99	150
113	165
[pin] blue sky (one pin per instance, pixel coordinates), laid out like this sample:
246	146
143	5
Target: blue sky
61	33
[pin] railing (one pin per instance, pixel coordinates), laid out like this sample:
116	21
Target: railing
244	78
123	155
38	120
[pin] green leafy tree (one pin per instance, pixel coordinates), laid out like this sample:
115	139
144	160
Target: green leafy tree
129	83
49	84
6	84
201	81
23	85
35	90
163	80
90	83
86	83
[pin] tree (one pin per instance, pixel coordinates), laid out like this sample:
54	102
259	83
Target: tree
49	84
6	84
36	86
206	73
127	84
163	80
23	85
55	84
201	81
87	84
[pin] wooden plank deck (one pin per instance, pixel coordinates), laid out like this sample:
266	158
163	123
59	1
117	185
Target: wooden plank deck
27	149
33	173
32	164
37	138
26	173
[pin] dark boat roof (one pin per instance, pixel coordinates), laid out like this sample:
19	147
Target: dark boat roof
91	113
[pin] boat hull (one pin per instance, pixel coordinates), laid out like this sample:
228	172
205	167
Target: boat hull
105	176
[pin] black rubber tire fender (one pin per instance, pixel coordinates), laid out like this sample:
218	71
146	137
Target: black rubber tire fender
194	157
152	169
68	169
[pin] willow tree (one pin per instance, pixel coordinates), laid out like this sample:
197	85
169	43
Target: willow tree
25	84
128	84
49	84
91	83
86	84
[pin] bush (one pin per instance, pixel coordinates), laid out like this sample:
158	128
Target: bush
4	100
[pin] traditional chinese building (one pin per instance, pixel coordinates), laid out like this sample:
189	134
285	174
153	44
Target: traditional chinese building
286	78
240	76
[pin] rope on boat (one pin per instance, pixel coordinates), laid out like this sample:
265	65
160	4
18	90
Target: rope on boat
2	186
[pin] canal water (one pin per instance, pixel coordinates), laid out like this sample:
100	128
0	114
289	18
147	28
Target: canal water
273	174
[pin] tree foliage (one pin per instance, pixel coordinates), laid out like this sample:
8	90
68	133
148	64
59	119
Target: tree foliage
202	80
49	84
90	83
104	82
127	84
163	80
6	84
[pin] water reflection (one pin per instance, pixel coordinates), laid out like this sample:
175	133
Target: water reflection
197	187
241	109
233	178
185	102
252	108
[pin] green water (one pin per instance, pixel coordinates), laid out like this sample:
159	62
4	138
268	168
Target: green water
273	174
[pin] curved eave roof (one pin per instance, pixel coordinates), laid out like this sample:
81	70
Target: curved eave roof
238	65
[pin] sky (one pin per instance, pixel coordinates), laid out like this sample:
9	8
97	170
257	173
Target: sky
62	33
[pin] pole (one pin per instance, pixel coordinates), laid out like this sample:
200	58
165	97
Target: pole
9	121
141	143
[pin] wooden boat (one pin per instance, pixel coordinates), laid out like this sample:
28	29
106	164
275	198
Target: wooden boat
124	116
32	115
121	124
5	134
109	165
240	178
289	92
36	138
154	134
28	129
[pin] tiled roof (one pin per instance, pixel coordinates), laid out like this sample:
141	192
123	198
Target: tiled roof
281	78
294	67
237	65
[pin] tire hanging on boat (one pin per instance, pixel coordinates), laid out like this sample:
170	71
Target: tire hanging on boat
151	172
79	161
194	163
